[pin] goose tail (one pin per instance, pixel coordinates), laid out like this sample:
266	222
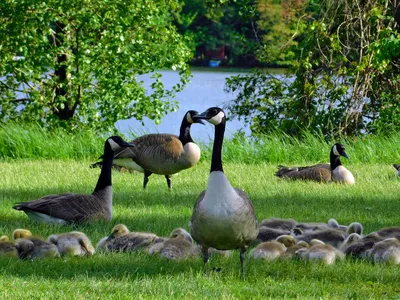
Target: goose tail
283	170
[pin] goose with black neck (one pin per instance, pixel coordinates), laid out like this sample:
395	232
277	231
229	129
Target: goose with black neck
72	208
223	216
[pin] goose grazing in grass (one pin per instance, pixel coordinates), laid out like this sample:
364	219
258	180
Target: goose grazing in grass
70	208
74	243
223	216
161	153
8	248
34	247
122	240
178	246
268	250
386	251
334	171
397	167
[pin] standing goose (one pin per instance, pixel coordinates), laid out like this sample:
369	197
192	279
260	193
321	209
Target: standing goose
334	171
161	153
70	208
223	216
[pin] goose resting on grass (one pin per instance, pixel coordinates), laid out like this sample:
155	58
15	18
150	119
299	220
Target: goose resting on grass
334	171
71	208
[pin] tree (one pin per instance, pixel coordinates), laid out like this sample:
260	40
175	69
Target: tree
78	61
345	78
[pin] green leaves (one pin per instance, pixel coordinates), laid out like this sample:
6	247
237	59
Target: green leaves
101	47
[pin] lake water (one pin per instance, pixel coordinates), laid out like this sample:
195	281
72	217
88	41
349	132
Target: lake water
205	90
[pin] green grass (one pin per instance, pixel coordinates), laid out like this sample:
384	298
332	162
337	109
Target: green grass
373	201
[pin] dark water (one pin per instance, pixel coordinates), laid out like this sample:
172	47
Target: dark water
205	90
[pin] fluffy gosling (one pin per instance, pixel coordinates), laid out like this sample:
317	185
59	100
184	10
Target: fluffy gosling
268	250
74	243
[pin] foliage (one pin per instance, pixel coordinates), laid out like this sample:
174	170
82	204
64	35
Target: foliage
345	79
32	141
80	61
212	24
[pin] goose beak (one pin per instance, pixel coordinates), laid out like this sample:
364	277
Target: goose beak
197	118
345	155
110	237
199	121
125	144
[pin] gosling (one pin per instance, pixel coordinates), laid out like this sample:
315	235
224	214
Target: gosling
74	243
268	250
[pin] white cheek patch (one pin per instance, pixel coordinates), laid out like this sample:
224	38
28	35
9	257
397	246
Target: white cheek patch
334	150
114	146
217	119
189	118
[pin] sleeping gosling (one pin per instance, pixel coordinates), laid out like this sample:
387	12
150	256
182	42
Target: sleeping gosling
320	252
386	251
74	243
276	223
33	247
268	250
122	240
8	248
178	246
291	245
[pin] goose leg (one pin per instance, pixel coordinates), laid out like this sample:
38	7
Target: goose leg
168	177
146	178
242	258
204	251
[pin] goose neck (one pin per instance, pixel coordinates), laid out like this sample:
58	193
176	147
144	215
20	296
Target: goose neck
216	160
184	135
105	174
335	161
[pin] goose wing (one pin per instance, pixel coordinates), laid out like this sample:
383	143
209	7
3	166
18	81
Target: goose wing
153	147
69	207
319	172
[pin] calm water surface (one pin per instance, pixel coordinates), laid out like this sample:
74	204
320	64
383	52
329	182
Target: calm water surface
205	90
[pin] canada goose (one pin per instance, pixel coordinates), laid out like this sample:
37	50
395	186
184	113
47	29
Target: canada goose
320	252
74	243
291	251
268	250
386	251
69	208
33	247
122	240
8	248
223	217
287	240
334	171
161	153
178	246
397	167
284	224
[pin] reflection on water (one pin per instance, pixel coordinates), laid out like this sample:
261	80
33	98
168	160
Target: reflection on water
205	90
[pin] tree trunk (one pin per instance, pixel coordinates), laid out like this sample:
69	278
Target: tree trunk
67	111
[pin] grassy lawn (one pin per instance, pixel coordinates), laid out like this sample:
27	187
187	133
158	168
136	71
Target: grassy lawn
373	201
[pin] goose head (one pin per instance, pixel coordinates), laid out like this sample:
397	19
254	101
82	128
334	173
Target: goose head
116	143
338	150
189	117
181	233
21	233
117	231
287	240
213	115
4	238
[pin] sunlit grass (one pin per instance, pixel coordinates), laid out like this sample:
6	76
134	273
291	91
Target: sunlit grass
373	201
